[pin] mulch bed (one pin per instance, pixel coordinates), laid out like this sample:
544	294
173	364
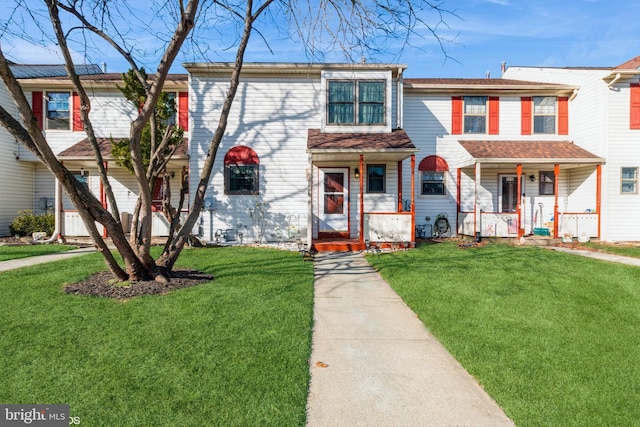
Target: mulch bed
103	284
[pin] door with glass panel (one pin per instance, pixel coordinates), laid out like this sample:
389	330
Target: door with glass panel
508	193
333	203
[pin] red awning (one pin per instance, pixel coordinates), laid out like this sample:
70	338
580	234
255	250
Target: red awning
433	163
241	155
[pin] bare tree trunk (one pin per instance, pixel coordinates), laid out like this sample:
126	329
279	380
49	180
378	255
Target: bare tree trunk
168	258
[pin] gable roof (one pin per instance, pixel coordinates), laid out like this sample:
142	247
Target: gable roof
528	152
82	150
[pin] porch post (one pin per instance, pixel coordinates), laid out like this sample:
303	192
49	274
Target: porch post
413	200
58	214
310	202
476	207
362	171
103	197
458	196
598	194
400	206
519	203
556	173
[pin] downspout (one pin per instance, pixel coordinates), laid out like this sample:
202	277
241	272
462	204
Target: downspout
574	94
399	97
615	79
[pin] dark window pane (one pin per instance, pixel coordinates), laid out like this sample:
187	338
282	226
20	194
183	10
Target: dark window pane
333	204
333	182
376	178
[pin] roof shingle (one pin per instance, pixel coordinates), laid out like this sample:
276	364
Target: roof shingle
394	140
82	149
526	150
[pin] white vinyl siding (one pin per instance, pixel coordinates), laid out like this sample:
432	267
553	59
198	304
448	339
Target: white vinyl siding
16	177
272	116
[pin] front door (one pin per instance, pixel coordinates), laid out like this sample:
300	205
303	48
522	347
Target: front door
508	193
333	204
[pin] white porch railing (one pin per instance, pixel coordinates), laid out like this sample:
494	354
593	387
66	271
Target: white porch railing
387	227
578	224
491	224
497	224
72	224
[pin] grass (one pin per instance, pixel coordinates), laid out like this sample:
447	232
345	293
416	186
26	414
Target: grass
22	251
231	352
552	337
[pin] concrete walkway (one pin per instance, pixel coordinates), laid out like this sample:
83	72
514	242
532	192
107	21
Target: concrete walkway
600	255
40	259
373	363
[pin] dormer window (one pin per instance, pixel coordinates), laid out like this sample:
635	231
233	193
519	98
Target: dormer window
355	102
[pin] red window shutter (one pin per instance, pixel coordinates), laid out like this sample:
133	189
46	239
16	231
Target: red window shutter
456	115
156	195
494	115
183	110
78	126
36	107
527	103
563	115
634	122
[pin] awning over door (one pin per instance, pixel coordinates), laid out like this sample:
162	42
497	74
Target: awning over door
508	153
389	146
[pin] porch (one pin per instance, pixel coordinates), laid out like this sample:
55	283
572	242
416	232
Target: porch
356	198
529	188
80	160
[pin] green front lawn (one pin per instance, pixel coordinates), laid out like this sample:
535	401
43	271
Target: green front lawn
552	337
8	252
231	352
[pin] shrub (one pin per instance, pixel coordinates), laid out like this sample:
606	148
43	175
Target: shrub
26	223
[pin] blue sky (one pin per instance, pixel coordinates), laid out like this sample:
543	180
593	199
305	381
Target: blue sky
483	34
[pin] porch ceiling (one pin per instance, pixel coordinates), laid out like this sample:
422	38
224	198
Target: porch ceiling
389	146
541	153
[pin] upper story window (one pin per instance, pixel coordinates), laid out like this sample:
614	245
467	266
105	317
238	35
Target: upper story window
629	181
360	102
241	171
475	114
376	178
57	113
433	171
544	114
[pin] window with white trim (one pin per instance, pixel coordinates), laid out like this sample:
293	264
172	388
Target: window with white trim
241	171
57	110
544	114
355	102
629	180
475	114
433	171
